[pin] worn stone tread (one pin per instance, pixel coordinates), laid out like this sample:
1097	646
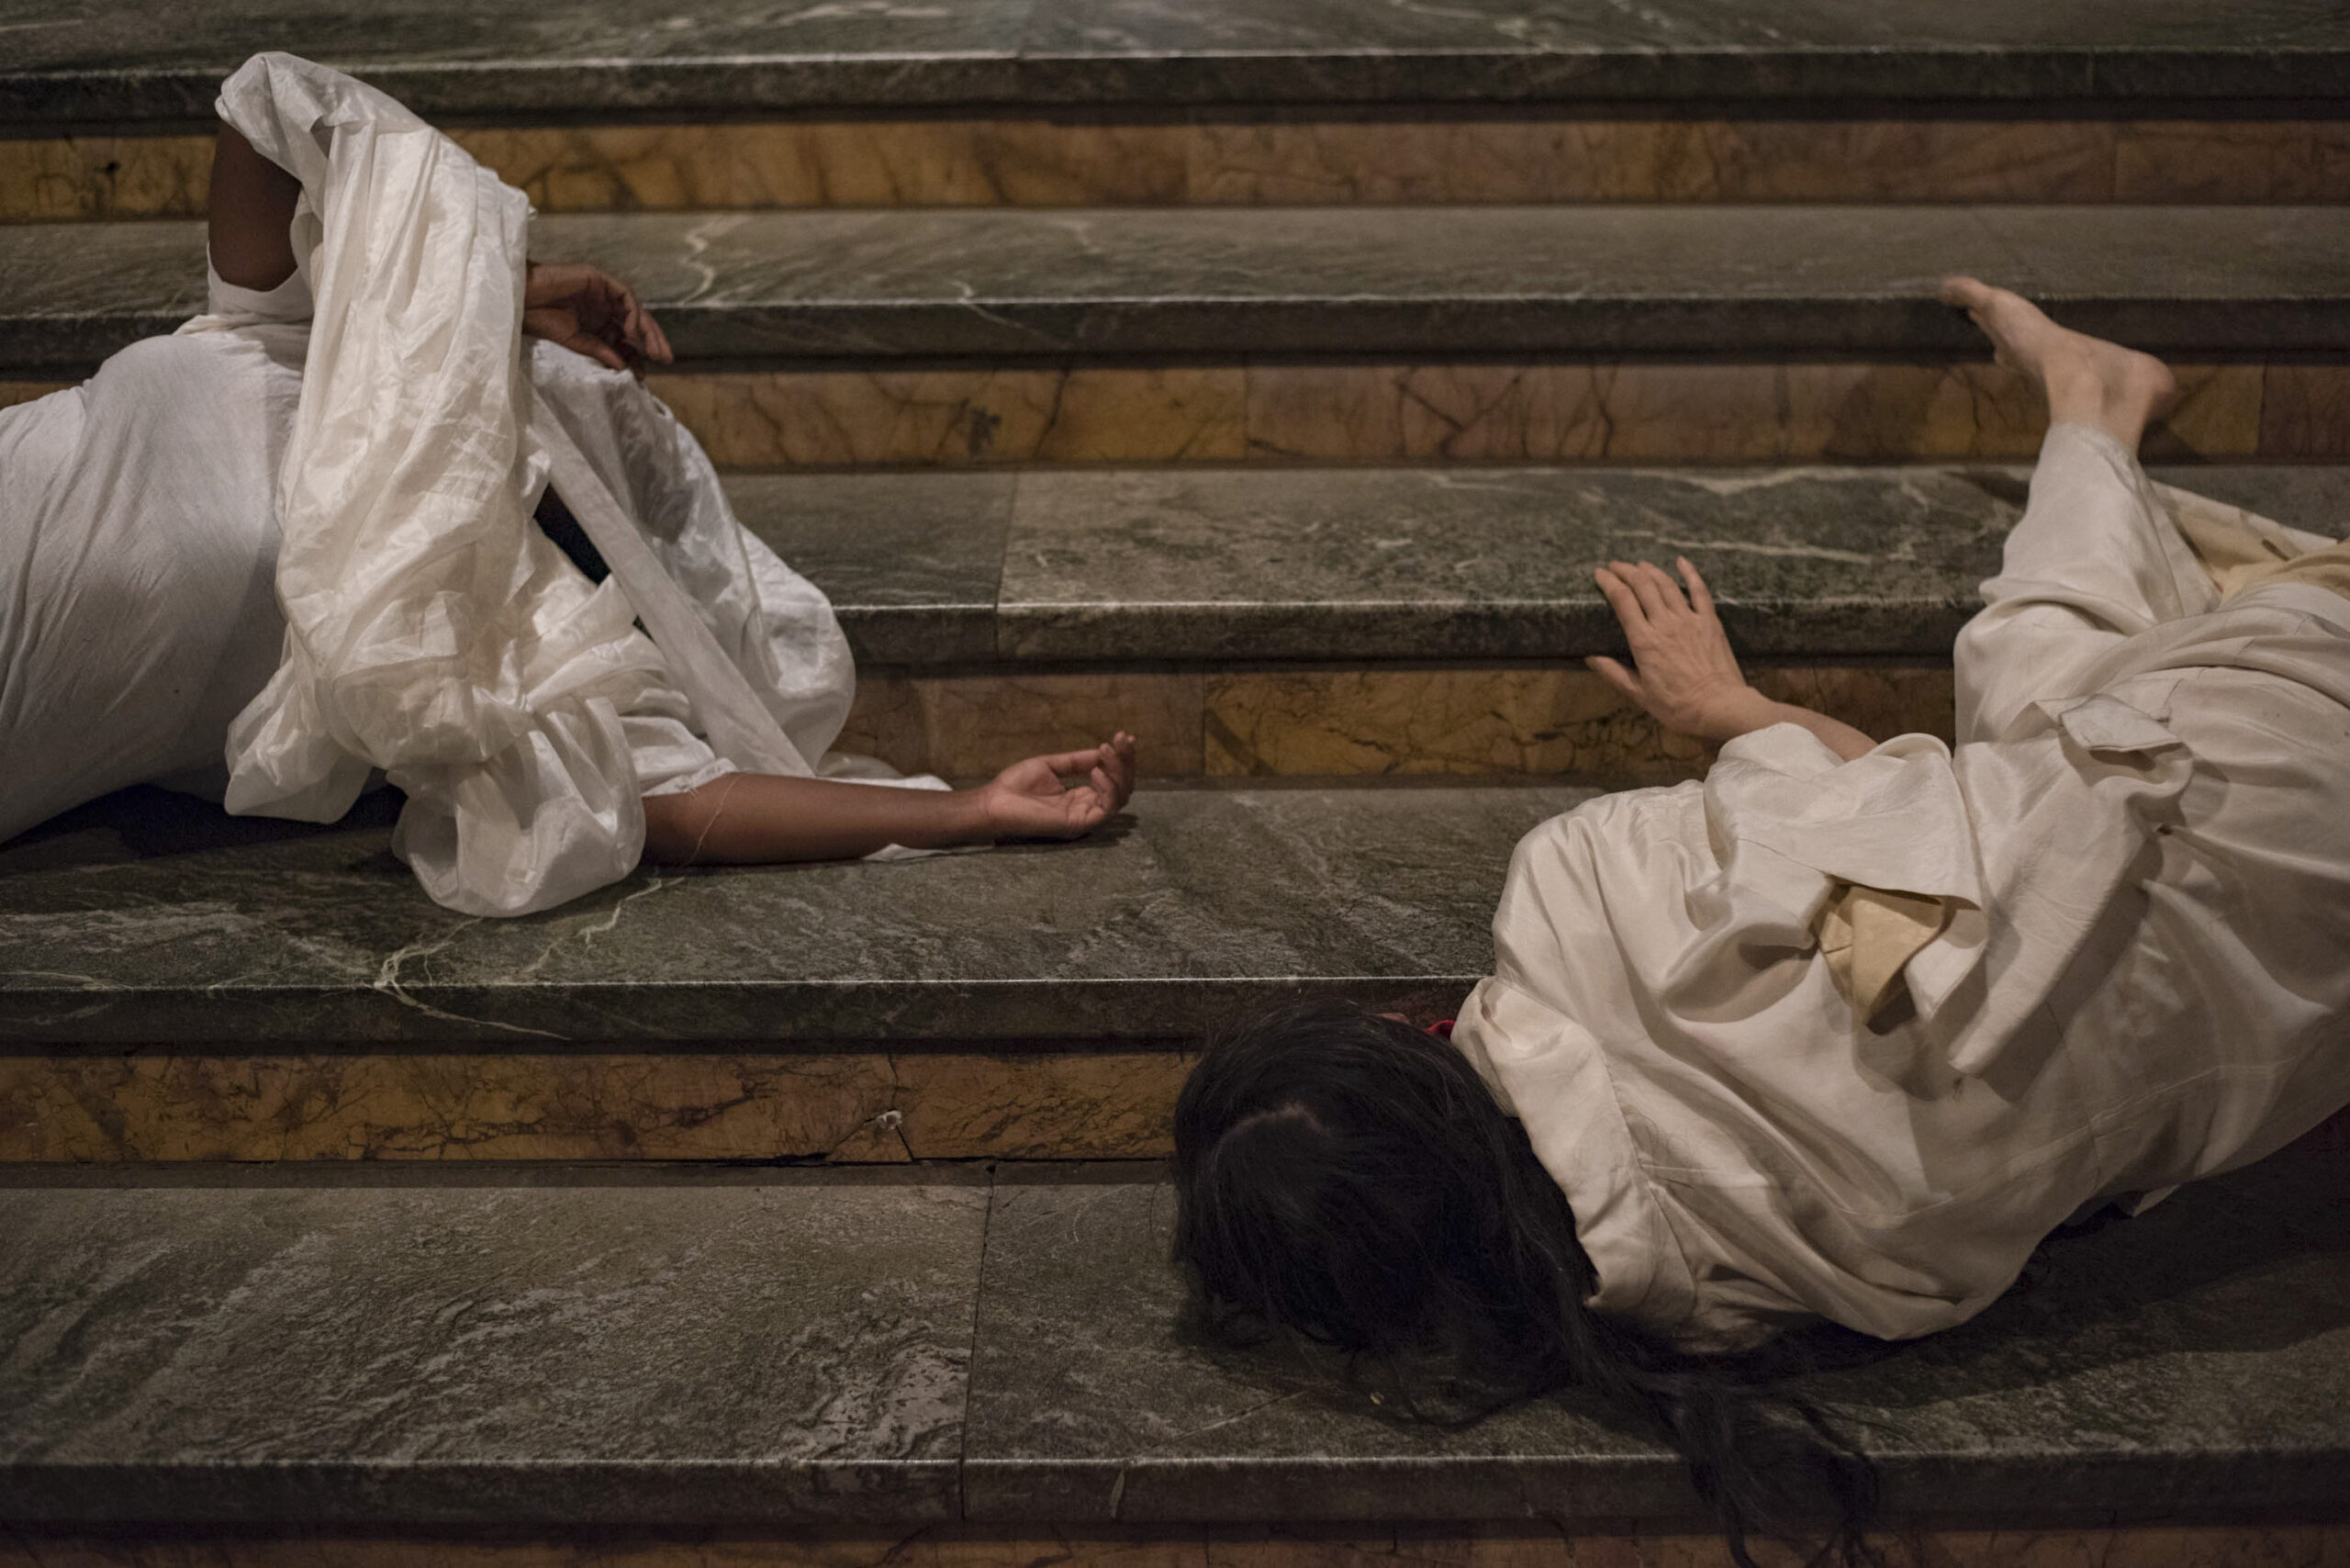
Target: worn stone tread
749	287
78	60
1342	564
2192	1361
151	917
576	1346
783	1351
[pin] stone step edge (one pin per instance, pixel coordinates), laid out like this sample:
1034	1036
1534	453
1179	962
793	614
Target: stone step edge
1010	74
1662	280
1291	1544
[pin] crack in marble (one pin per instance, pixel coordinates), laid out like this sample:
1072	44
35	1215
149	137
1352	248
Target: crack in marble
387	982
1236	1416
587	935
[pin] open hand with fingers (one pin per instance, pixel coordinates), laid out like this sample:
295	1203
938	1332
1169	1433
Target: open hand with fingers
1061	796
1683	671
590	312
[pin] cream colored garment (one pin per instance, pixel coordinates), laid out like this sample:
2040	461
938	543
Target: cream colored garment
1868	934
2241	551
2143	848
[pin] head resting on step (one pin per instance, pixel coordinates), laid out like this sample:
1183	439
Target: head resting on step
1346	1181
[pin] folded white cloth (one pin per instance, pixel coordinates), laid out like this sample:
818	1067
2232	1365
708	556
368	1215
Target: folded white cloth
432	632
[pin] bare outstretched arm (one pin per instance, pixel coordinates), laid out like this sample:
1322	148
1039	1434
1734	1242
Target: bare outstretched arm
1683	671
760	819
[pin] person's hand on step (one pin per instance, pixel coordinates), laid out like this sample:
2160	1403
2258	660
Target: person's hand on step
1682	672
1065	795
591	313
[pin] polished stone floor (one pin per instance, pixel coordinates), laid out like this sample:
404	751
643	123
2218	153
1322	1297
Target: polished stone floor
516	1344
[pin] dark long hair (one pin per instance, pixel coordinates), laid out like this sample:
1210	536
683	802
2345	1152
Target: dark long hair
1347	1178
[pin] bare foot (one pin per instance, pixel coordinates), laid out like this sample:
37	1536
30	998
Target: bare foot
2086	380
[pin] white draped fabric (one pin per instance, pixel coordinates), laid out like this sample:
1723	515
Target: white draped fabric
2142	842
378	426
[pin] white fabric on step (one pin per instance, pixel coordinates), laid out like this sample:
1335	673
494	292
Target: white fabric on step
2144	839
436	632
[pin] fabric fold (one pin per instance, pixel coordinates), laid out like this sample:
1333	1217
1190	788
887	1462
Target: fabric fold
433	632
1794	826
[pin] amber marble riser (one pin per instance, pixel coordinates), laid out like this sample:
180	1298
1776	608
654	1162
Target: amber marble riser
1542	411
850	1107
961	415
857	1106
1404	156
1345	723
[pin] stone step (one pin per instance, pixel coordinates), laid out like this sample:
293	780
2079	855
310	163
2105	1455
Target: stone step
144	920
1135	156
526	1352
1560	410
1346	565
578	60
900	288
1389	621
301	1000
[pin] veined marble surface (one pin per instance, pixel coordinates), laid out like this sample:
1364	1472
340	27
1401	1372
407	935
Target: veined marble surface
581	1347
1605	281
780	1349
2191	1361
912	563
1339	564
1486	563
78	59
151	917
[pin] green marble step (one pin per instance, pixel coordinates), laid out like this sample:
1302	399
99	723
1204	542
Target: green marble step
507	1352
768	288
936	571
86	62
150	918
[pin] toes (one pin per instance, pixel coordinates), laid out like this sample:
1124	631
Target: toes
1972	293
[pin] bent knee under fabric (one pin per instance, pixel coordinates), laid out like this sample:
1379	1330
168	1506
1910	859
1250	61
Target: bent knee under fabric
2095	559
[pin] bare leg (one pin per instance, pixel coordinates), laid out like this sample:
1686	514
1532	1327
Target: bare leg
2086	380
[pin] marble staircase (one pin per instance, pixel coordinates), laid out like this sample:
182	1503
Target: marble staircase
689	1365
1261	375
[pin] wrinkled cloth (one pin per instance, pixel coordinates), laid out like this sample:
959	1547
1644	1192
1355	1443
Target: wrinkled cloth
1869	934
2139	855
383	398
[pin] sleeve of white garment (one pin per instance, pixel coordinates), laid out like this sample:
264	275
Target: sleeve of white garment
430	631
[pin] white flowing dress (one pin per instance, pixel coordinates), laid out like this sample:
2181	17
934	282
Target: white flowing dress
2141	847
292	544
